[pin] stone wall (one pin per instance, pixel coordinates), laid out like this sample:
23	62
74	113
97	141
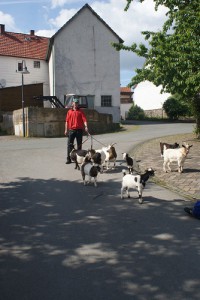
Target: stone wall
155	113
50	122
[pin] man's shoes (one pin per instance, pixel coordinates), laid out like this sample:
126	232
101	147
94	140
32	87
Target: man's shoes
68	161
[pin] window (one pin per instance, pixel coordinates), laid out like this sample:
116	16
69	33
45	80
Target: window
20	67
36	64
106	101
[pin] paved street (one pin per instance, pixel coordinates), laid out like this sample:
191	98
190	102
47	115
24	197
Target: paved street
60	240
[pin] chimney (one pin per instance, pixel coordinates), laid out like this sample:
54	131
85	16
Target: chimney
2	28
32	32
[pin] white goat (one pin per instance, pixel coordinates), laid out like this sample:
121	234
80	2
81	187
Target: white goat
108	154
176	155
164	145
135	182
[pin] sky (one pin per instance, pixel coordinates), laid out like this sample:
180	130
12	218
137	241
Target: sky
47	16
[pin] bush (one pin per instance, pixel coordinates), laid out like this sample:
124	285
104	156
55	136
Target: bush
136	113
175	109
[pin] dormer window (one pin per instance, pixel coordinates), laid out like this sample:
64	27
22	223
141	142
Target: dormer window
36	64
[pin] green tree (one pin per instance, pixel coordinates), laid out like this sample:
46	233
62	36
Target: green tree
173	56
174	108
135	113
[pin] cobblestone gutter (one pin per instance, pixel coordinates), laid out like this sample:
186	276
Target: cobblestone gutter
186	183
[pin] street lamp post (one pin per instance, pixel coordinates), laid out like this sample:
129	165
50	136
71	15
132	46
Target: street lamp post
23	71
23	115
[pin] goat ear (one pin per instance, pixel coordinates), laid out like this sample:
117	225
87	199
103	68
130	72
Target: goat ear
190	146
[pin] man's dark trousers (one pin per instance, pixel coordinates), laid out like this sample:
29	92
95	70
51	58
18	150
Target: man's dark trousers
72	135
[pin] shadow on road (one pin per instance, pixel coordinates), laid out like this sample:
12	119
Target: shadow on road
56	247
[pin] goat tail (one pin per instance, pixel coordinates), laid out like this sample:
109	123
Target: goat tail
124	172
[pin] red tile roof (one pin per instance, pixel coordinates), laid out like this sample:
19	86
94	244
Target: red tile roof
125	89
23	45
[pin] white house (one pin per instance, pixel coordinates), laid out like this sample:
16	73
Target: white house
126	96
78	59
15	47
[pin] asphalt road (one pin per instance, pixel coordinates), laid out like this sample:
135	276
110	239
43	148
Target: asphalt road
60	240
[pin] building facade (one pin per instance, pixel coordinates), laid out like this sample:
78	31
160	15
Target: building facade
78	59
126	101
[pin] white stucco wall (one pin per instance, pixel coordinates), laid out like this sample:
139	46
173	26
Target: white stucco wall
125	108
86	63
9	65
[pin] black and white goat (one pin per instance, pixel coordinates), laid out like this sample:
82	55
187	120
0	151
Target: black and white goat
108	154
77	156
129	162
176	155
130	181
164	145
95	158
90	170
132	164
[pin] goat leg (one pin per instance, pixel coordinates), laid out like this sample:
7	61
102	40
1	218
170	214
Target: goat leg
127	191
122	191
140	200
95	181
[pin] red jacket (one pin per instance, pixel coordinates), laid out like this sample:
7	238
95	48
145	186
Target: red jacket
75	119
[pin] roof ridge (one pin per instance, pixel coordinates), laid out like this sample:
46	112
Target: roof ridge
90	8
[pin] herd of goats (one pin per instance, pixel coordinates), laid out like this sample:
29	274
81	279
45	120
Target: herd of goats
91	162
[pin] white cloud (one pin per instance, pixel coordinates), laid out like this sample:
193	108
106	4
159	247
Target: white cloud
128	25
63	17
45	33
148	96
8	20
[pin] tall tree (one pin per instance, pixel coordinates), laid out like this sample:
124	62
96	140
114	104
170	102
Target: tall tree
173	56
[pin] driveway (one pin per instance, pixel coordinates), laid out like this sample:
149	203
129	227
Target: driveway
60	240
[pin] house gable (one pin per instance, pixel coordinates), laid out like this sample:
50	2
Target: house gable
86	6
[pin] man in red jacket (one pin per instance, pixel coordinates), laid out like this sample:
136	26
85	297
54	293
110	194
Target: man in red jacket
75	123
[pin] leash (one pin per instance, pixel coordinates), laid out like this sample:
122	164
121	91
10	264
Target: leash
97	141
92	138
85	140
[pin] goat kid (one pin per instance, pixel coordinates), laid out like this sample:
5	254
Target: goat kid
167	146
77	156
108	155
135	182
129	162
176	155
90	170
132	165
95	158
